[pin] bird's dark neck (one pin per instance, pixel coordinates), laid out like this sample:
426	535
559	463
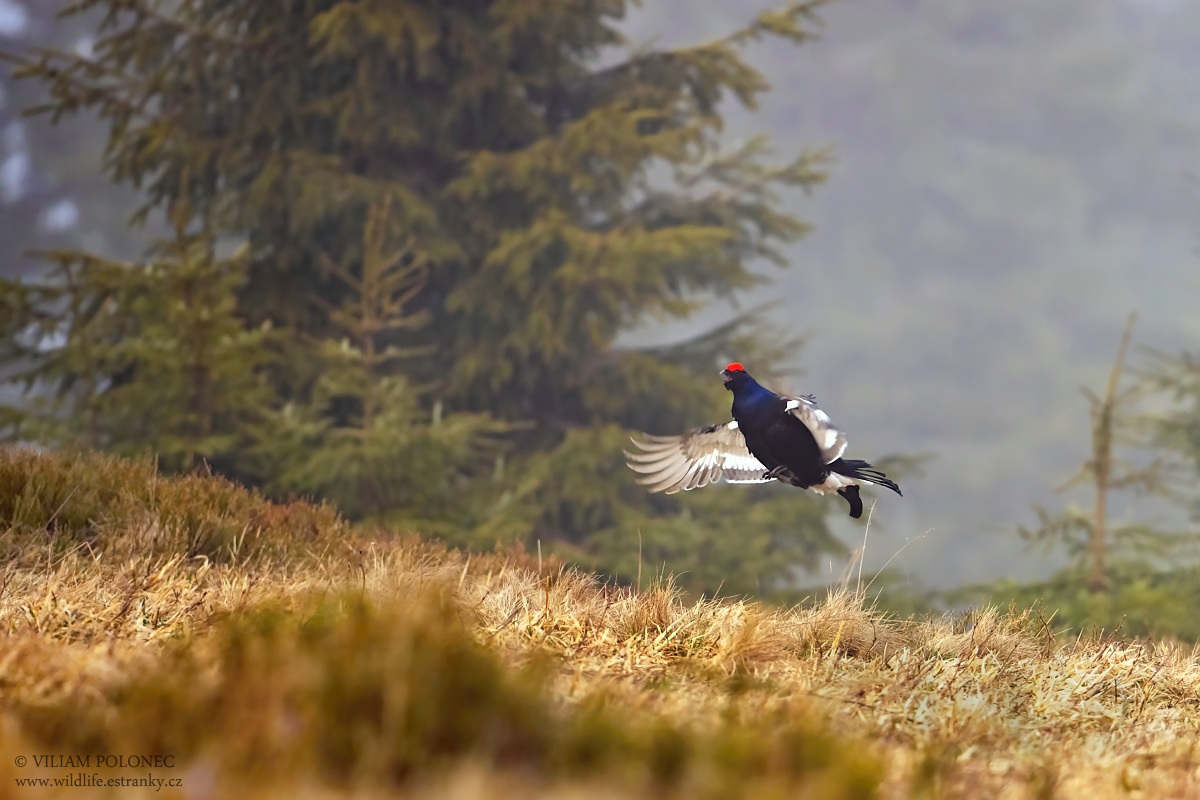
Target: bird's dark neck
751	399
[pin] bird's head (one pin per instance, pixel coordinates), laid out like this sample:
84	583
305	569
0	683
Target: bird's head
734	374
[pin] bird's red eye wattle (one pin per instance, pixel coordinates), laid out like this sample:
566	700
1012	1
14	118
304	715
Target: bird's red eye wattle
735	367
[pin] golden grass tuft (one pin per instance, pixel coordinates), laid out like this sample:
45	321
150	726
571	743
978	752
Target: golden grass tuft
273	651
55	503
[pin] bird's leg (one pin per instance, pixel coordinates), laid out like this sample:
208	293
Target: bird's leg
774	473
850	495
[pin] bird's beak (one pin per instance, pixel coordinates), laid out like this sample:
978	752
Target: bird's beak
726	375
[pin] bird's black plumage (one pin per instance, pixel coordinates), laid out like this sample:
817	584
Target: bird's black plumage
771	437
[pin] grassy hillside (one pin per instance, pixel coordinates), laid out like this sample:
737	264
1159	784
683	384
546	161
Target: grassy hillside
240	648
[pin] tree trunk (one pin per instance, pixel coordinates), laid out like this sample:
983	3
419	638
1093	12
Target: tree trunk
1102	447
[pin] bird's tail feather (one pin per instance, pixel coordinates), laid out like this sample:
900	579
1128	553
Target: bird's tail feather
863	471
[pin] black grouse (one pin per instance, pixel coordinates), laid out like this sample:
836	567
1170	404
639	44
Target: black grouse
771	437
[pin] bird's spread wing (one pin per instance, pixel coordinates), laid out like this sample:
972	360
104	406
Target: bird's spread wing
695	459
830	438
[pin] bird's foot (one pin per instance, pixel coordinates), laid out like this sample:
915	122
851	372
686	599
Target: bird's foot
773	474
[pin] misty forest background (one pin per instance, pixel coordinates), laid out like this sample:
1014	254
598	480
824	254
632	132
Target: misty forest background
433	262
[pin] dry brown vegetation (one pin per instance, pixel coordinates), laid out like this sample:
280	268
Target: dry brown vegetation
274	652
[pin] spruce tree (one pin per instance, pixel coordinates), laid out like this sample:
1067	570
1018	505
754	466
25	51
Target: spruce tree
1119	422
1178	431
130	357
362	439
1129	573
559	188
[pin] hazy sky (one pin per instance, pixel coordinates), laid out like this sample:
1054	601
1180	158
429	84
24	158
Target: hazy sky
12	18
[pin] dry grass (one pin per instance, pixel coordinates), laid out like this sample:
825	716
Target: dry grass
273	652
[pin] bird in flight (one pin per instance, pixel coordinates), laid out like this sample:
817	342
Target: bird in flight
771	437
